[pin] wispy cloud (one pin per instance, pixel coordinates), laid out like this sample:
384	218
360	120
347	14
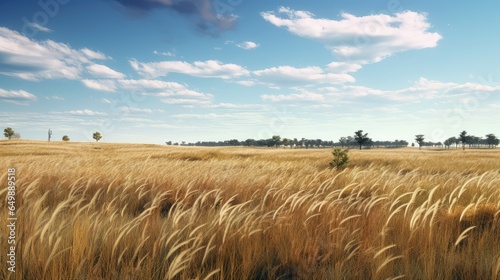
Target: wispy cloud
134	110
246	45
104	72
422	90
203	69
16	94
288	75
164	53
40	27
28	59
295	97
86	112
54	97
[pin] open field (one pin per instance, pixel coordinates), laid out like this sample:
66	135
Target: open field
123	211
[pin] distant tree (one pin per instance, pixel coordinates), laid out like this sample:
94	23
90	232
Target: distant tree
65	138
361	138
8	132
450	141
287	141
97	136
413	144
420	140
492	140
276	140
343	142
463	138
50	134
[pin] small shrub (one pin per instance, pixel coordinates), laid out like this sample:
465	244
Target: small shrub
340	158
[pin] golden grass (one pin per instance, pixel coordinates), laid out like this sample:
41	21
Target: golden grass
123	211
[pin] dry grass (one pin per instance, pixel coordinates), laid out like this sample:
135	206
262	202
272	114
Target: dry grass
120	211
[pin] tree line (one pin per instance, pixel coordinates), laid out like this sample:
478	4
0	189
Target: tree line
463	139
359	139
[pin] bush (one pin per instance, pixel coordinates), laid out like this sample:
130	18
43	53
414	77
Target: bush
340	158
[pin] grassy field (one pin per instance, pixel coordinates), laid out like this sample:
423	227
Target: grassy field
123	211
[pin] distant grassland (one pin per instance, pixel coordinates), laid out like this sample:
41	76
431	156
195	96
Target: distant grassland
123	211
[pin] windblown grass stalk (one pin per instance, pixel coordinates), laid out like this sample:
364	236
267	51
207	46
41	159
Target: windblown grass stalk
113	211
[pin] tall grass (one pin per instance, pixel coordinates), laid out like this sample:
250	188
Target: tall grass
122	211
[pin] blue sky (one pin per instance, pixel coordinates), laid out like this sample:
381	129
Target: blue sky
187	70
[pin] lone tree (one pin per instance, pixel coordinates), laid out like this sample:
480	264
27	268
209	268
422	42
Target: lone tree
8	132
463	138
65	138
97	136
361	138
420	140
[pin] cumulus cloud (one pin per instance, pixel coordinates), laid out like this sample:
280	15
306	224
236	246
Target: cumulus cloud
28	59
203	69
204	14
248	45
360	40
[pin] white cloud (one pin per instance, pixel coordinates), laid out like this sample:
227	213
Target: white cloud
246	83
146	85
247	45
94	55
185	101
203	69
164	53
300	97
177	93
40	27
54	97
104	72
101	85
134	110
86	112
288	75
28	59
360	40
343	67
421	90
16	95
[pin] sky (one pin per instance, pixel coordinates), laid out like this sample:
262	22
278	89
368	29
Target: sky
153	71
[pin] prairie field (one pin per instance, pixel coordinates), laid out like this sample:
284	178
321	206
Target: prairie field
137	211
